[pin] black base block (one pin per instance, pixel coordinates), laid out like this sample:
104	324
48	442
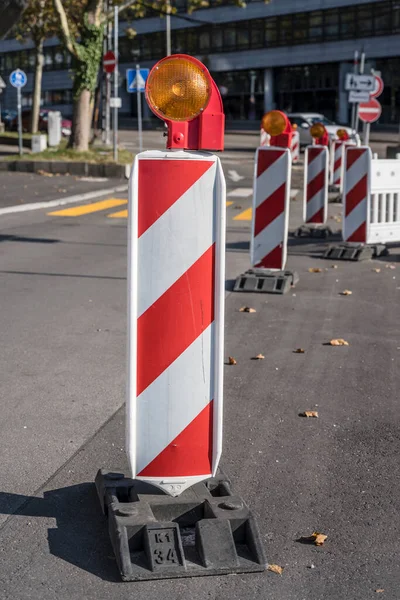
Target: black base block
352	251
266	281
313	232
205	531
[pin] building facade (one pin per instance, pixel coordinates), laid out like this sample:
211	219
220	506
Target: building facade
288	54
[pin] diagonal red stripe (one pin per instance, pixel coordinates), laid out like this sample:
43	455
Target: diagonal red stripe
313	153
175	320
355	195
266	158
352	155
190	453
271	208
273	260
337	164
359	235
315	185
162	183
318	217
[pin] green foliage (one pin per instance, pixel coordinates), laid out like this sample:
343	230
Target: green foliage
88	57
38	22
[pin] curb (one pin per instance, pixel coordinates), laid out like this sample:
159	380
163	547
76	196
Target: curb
84	169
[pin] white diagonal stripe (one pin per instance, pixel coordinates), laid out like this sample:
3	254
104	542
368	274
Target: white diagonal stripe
315	166
176	240
268	239
315	204
357	171
271	179
353	221
185	391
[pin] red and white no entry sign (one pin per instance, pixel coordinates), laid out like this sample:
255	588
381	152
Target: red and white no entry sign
378	89
369	112
109	62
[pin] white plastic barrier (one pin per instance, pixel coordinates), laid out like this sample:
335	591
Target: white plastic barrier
371	198
264	138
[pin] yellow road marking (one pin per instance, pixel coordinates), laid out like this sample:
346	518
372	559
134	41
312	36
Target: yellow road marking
229	203
244	216
85	209
122	214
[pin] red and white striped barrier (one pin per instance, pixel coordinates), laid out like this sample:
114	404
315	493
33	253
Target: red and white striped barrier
175	318
337	152
264	137
268	247
295	147
356	192
315	206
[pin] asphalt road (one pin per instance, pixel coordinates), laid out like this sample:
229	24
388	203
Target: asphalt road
62	360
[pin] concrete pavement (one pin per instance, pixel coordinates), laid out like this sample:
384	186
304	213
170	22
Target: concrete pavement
63	280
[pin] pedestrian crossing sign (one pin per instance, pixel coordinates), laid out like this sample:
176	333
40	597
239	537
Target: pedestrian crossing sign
136	81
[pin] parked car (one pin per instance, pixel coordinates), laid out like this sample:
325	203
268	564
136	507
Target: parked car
7	117
66	124
305	121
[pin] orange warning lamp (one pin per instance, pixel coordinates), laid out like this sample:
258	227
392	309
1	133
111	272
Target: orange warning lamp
320	134
181	92
342	135
294	126
278	126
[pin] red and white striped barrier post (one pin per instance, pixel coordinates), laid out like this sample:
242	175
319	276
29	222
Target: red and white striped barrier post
270	211
176	315
295	147
356	193
337	151
316	171
271	197
176	291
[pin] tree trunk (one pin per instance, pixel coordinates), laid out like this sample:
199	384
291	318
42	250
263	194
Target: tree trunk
37	87
81	122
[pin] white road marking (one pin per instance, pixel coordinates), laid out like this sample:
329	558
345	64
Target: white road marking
240	193
234	176
61	201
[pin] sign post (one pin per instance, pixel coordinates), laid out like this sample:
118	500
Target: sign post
18	79
2	86
109	64
136	82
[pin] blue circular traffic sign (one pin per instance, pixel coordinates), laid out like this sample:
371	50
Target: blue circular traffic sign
18	78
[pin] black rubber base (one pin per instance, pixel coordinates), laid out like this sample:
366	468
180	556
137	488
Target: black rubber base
266	281
355	252
313	232
204	531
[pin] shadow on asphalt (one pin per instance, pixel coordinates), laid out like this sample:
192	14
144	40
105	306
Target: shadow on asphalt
238	246
63	275
81	536
18	238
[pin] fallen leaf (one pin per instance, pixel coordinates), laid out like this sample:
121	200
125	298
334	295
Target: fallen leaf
316	538
376	270
299	351
390	266
247	309
314	270
346	293
339	342
61	190
379	590
232	361
44	173
259	357
275	569
319	538
310	413
333	266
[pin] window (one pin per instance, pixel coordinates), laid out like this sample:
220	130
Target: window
257	33
382	18
348	22
331	24
229	37
216	38
285	30
364	21
271	32
243	37
204	41
315	27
